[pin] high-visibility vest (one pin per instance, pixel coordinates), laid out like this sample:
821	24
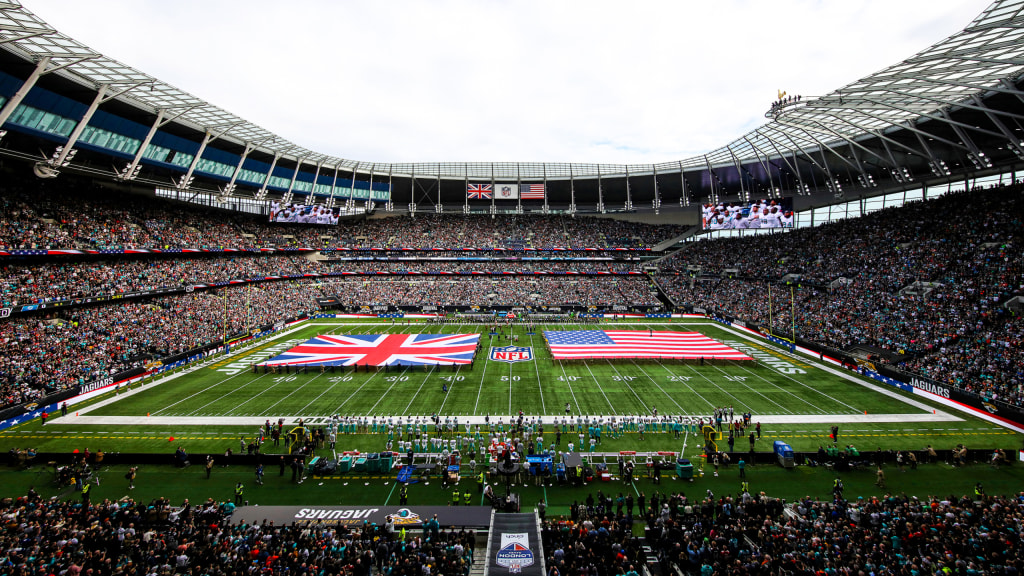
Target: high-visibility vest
455	496
239	490
465	498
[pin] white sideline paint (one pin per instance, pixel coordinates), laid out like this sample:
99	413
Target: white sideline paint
81	416
476	420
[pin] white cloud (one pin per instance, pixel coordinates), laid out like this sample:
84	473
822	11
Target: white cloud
595	81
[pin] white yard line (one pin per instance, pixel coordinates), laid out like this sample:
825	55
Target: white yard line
536	368
599	387
571	393
481	389
841	373
686	383
411	400
626	382
290	394
795	419
810	388
655	382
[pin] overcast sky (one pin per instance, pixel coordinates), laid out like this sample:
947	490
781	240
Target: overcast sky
589	81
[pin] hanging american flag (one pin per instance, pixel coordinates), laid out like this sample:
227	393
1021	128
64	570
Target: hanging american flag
480	191
532	191
380	350
584	344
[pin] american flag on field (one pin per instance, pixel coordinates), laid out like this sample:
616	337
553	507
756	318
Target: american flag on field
480	192
531	191
583	344
380	350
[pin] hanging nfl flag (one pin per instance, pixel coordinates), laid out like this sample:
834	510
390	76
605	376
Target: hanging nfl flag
532	191
506	191
479	191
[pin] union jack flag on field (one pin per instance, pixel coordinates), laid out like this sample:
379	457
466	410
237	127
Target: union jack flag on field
380	350
480	192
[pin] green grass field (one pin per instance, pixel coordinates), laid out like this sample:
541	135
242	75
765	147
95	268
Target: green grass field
540	387
207	408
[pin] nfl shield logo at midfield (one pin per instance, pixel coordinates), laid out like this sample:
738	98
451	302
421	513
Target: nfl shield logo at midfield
512	354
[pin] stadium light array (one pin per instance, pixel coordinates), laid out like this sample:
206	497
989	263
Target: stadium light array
129	173
979	160
939	168
867	180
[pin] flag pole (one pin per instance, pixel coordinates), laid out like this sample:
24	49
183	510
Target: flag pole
792	311
519	187
545	167
770	323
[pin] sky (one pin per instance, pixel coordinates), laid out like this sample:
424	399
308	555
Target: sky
504	81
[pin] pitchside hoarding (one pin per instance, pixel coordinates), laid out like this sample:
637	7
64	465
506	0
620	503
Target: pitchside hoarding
415	516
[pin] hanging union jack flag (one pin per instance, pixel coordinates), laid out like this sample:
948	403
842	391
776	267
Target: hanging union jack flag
480	192
380	350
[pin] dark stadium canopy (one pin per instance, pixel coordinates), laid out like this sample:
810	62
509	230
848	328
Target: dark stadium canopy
949	112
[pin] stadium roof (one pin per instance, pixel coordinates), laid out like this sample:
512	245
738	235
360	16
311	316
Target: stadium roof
985	58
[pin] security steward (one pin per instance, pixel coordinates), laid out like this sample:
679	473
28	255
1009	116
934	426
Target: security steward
455	496
466	497
85	493
403	495
480	482
239	491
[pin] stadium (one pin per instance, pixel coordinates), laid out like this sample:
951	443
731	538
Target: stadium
226	353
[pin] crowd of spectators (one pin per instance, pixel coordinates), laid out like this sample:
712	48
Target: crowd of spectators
912	281
757	534
505	291
40	355
42	216
49	281
741	534
487	267
893	534
44	354
131	538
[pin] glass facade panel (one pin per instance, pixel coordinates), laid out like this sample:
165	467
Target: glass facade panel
109	140
157	153
36	119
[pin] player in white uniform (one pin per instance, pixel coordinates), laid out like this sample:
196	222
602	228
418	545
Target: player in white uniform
306	215
773	218
754	217
787	219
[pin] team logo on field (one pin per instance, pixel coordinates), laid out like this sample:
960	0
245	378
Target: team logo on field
511	353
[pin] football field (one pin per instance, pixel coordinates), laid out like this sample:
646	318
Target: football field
776	384
794	397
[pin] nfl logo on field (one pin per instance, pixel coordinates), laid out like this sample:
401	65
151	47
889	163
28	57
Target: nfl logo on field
512	354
